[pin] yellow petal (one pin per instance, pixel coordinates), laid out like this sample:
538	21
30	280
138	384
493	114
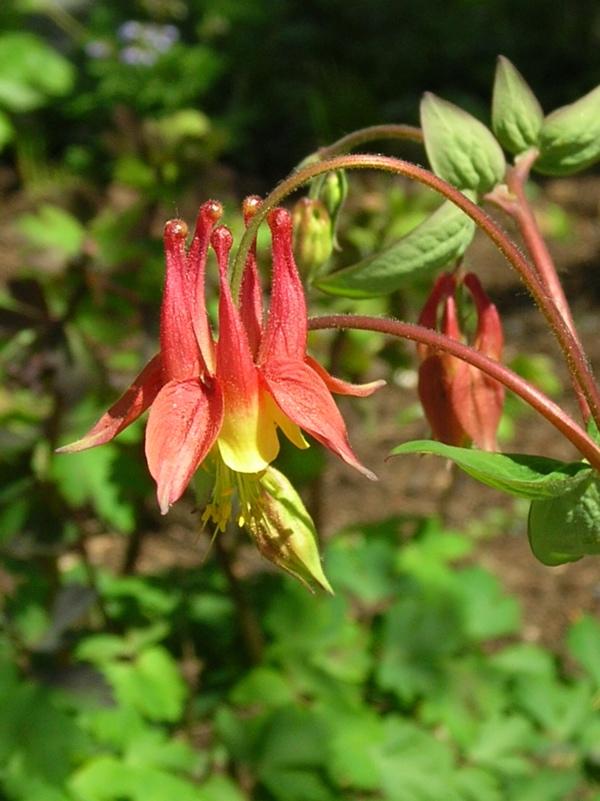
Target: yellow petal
292	431
248	436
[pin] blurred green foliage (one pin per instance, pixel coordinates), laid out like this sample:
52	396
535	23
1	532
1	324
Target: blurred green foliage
411	684
277	78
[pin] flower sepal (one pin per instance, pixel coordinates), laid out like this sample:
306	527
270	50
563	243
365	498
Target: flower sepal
285	534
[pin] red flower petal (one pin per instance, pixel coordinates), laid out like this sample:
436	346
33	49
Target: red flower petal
128	408
343	387
286	329
477	401
208	215
178	345
251	303
489	337
303	396
183	424
435	393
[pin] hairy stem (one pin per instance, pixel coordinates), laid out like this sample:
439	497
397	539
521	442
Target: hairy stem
579	368
536	399
370	134
516	204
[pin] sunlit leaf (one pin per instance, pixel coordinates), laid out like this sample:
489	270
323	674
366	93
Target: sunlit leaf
517	116
570	137
567	527
519	474
460	148
438	240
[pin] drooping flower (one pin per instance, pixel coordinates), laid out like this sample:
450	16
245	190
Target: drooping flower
461	403
218	403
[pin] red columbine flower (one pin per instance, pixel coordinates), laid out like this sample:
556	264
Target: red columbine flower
219	403
461	403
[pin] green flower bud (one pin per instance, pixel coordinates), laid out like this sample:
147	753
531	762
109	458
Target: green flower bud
285	534
333	191
313	239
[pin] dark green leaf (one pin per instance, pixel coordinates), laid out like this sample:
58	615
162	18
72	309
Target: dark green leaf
460	149
438	240
517	116
531	477
570	137
6	130
567	527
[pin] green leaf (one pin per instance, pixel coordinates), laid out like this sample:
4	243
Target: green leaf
438	240
88	477
102	779
263	686
566	528
152	684
356	733
55	229
415	765
361	563
40	738
31	72
460	149
531	477
570	137
517	116
584	644
219	788
419	635
106	778
487	611
502	742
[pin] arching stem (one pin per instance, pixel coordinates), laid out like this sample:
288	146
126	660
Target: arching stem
586	446
575	358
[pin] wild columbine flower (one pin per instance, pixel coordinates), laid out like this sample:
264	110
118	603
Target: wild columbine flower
218	403
461	404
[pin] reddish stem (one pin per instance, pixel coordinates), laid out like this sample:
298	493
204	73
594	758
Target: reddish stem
516	204
370	134
582	376
536	399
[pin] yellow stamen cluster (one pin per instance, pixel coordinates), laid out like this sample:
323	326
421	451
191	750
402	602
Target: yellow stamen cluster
230	486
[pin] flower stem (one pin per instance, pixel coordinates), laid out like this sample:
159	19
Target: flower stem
370	134
586	446
577	363
516	204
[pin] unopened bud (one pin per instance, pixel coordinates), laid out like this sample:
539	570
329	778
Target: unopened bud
461	403
333	191
285	534
313	240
